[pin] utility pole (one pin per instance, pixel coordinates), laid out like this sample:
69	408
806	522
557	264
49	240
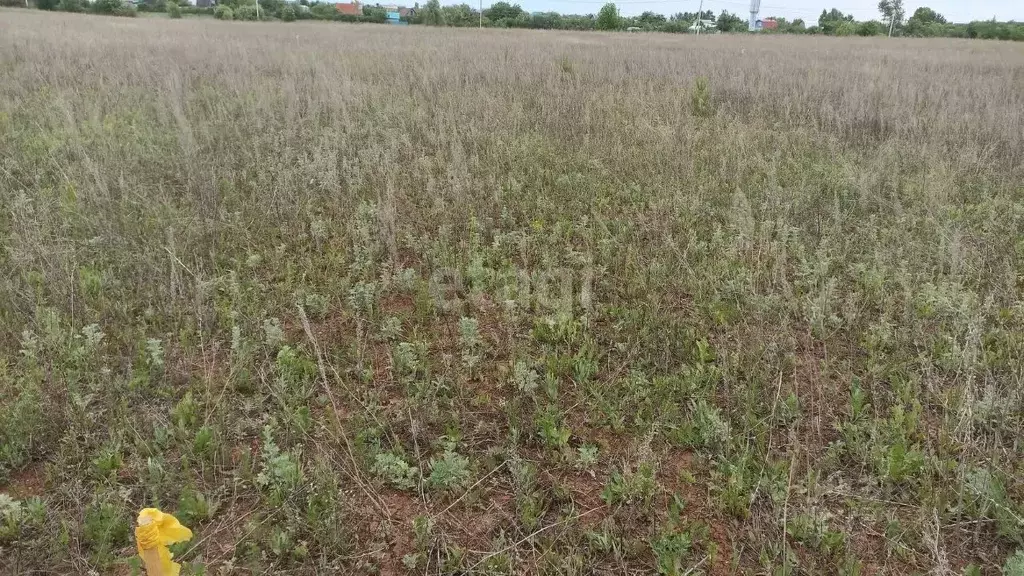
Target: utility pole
700	17
481	13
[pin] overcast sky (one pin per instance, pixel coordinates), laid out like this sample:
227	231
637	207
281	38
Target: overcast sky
953	10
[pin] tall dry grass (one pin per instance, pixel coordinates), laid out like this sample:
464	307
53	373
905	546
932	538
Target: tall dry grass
848	216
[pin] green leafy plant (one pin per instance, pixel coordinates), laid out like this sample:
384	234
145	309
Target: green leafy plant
194	507
11	513
586	456
1014	565
281	472
671	552
701	104
450	471
104	529
551	431
316	305
391	328
524	377
396	471
469	339
108	462
631	486
273	334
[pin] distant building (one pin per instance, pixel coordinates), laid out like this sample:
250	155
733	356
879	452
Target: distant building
767	24
351	8
394	17
703	26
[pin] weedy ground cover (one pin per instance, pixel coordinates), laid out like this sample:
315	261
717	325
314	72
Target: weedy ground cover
381	300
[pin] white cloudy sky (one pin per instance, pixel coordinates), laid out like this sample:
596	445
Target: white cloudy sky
953	10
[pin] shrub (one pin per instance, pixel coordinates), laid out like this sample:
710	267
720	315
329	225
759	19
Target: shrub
106	6
288	13
871	28
396	471
323	12
47	4
847	29
223	13
173	10
268	7
449	472
71	6
247	12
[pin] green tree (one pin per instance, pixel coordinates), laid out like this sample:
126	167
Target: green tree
547	21
608	18
871	28
728	22
503	11
829	21
222	12
460	15
578	22
926	15
71	5
375	14
846	28
247	12
106	6
650	20
269	7
893	12
287	13
432	14
47	4
322	11
924	21
689	17
173	10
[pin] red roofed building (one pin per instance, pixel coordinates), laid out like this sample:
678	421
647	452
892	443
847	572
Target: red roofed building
351	8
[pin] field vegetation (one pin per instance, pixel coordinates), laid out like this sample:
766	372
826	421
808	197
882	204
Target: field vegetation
924	22
387	300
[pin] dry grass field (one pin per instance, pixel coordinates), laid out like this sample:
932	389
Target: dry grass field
372	300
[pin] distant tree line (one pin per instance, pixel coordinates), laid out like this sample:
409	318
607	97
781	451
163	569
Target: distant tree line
107	7
925	22
506	15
